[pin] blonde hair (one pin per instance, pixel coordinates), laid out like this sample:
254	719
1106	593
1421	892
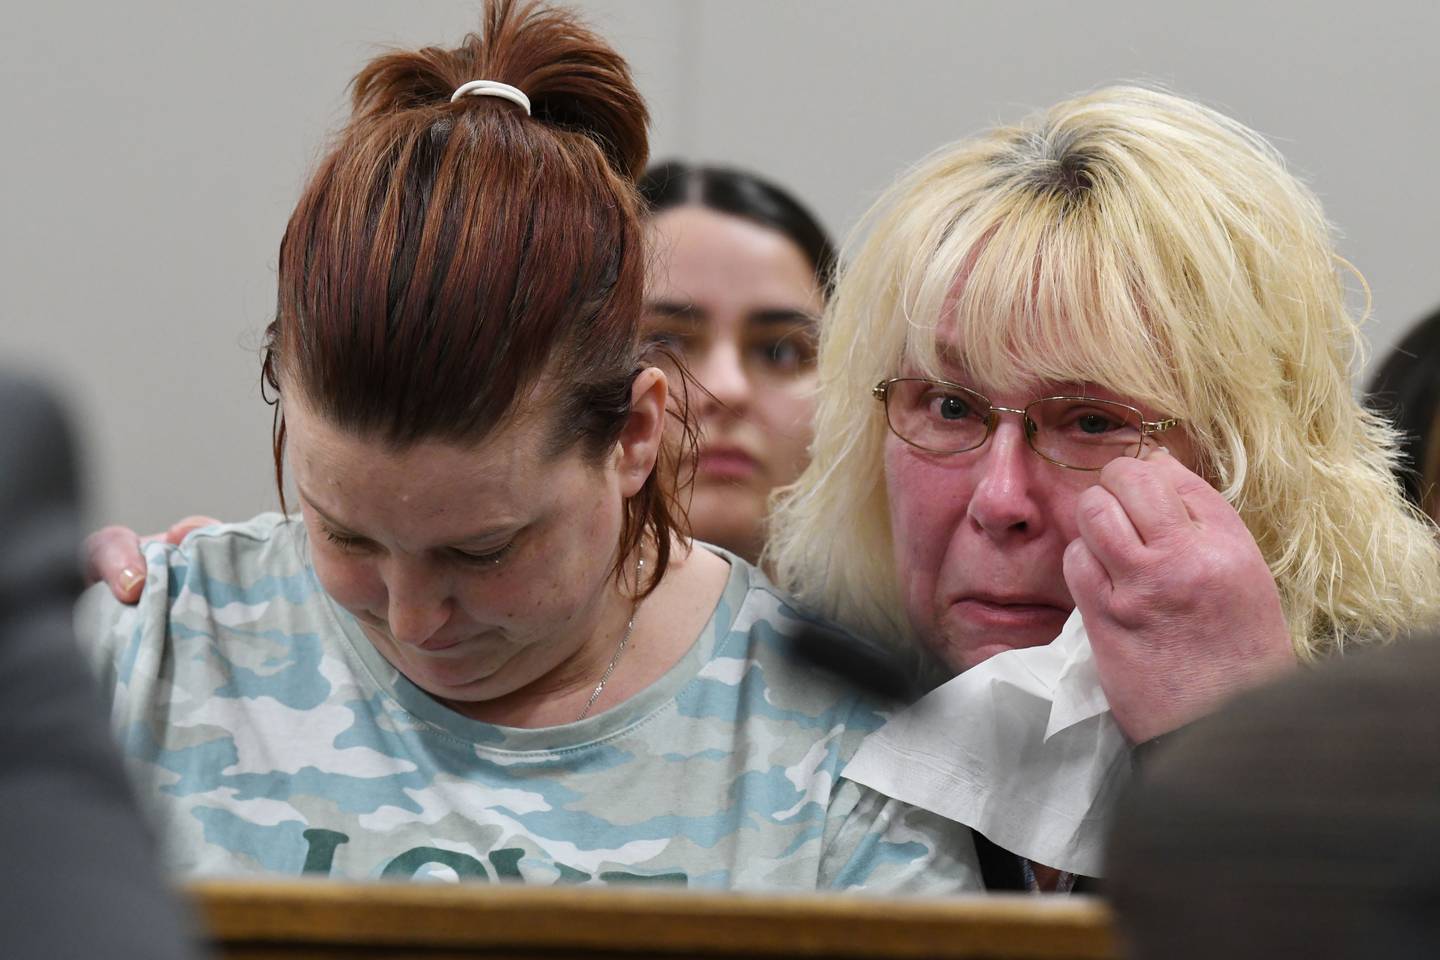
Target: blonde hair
1140	241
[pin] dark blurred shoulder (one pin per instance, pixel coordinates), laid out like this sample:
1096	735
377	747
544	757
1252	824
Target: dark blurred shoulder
39	493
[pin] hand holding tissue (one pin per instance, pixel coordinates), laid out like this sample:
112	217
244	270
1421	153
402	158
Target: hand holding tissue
1021	748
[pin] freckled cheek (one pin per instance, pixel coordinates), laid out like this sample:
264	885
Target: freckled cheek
928	500
1063	510
520	600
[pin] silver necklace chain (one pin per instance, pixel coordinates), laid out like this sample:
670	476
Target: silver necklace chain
624	642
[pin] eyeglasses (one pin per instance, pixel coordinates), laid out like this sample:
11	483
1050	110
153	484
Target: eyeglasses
1080	433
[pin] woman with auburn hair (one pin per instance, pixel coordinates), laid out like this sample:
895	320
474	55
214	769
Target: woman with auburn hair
1102	359
486	650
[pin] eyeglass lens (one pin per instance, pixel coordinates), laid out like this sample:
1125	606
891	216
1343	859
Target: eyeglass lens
1081	433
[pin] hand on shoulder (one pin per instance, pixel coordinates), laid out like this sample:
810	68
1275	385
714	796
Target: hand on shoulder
112	554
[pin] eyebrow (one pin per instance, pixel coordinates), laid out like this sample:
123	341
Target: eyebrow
676	310
766	317
782	316
480	536
323	515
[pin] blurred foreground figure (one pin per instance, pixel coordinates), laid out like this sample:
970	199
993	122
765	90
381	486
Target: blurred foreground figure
78	875
1302	821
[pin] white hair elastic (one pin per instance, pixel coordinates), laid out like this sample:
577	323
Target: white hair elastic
492	88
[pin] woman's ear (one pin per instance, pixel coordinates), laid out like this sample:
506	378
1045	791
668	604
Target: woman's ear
639	446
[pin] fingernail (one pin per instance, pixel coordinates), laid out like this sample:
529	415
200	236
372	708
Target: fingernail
130	578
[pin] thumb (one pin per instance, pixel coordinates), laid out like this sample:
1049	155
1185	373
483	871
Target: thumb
113	555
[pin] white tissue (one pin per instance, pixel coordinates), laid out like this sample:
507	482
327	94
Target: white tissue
1021	748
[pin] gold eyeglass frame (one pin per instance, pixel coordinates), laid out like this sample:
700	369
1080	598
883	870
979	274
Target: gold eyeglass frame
881	392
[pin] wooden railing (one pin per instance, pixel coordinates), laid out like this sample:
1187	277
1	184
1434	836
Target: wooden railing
322	919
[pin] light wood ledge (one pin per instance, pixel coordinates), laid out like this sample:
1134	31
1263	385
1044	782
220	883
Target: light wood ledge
274	919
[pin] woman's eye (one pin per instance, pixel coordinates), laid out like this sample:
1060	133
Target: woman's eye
950	407
490	559
1093	422
790	353
1096	423
678	341
345	542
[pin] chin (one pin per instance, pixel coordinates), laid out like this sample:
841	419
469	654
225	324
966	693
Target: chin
450	688
961	653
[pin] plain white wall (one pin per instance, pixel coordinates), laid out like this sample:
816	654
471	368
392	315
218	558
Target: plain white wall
152	152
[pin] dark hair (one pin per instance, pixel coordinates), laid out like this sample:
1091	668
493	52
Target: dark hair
1406	390
675	183
446	258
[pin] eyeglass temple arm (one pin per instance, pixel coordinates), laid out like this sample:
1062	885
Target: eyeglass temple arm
1158	426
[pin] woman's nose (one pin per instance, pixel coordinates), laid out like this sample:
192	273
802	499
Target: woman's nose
418	607
1003	501
721	371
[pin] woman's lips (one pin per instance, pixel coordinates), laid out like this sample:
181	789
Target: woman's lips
1009	614
725	463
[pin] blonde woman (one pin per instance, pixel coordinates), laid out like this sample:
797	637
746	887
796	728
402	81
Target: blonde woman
1142	277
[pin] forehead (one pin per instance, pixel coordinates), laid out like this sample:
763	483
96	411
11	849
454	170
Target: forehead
1016	383
1013	299
702	250
422	490
946	358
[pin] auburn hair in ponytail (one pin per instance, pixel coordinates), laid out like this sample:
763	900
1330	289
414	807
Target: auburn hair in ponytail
448	260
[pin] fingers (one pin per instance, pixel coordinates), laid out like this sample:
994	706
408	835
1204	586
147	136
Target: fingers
1148	493
1140	507
1204	503
1107	533
180	530
1089	583
113	555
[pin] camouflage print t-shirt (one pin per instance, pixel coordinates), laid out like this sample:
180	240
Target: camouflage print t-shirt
268	734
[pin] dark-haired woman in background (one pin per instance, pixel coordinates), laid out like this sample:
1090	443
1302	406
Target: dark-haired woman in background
1406	389
487	649
737	281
